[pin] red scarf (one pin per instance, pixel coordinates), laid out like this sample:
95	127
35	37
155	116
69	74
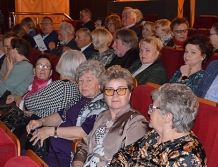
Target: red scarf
177	43
37	85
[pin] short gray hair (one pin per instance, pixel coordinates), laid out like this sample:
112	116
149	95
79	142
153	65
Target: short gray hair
69	62
132	13
96	67
180	101
117	72
66	27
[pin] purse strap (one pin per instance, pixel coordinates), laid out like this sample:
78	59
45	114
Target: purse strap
58	161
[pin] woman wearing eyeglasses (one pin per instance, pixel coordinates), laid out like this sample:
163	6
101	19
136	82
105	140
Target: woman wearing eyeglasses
179	28
214	37
171	142
114	128
58	94
42	70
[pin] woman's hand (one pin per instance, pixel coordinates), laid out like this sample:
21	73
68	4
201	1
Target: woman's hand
185	70
42	134
28	113
14	97
33	125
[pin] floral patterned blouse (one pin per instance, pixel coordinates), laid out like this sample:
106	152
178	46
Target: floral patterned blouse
146	152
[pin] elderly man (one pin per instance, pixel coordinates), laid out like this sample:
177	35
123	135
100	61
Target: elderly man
86	19
129	18
125	48
48	32
84	42
179	28
19	73
66	39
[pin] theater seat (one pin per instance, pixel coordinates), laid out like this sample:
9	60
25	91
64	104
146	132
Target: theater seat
75	23
36	158
206	129
151	17
204	21
20	161
172	59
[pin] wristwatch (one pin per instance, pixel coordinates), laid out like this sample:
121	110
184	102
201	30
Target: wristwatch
55	132
184	78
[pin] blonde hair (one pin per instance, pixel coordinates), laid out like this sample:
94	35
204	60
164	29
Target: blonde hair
164	25
101	37
153	41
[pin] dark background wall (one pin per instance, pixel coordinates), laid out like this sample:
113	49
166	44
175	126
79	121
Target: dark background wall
209	7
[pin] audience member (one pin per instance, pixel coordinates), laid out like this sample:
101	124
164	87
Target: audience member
66	39
179	28
101	39
84	42
48	32
42	70
21	31
139	17
2	52
19	71
171	142
129	20
149	68
198	50
214	37
162	30
99	22
148	29
7	45
125	48
58	94
113	23
207	88
75	121
86	19
30	26
120	121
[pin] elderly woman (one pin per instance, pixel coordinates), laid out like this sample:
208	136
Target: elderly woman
149	68
162	31
58	94
42	71
214	37
113	23
198	50
75	121
101	39
148	29
179	27
171	142
120	123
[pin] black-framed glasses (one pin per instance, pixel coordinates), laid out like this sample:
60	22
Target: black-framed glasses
151	108
120	91
181	31
40	66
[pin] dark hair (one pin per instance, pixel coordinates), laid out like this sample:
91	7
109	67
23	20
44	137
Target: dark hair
87	11
46	17
204	44
9	35
44	56
23	47
19	30
178	21
28	22
128	37
102	20
215	26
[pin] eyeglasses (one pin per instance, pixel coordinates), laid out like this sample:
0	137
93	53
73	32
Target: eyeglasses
151	108
120	91
40	66
45	24
181	31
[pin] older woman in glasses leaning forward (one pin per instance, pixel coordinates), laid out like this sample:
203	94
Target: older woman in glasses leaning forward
120	123
171	142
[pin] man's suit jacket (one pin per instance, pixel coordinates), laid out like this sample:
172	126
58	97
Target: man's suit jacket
58	51
89	51
90	25
137	31
52	37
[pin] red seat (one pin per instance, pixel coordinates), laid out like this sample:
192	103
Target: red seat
204	21
202	31
20	161
206	129
75	23
172	59
151	17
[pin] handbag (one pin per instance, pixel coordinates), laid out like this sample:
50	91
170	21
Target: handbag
42	152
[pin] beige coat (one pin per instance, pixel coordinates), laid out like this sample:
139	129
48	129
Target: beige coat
128	127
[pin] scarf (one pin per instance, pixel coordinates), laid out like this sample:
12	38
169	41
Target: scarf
37	85
178	44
